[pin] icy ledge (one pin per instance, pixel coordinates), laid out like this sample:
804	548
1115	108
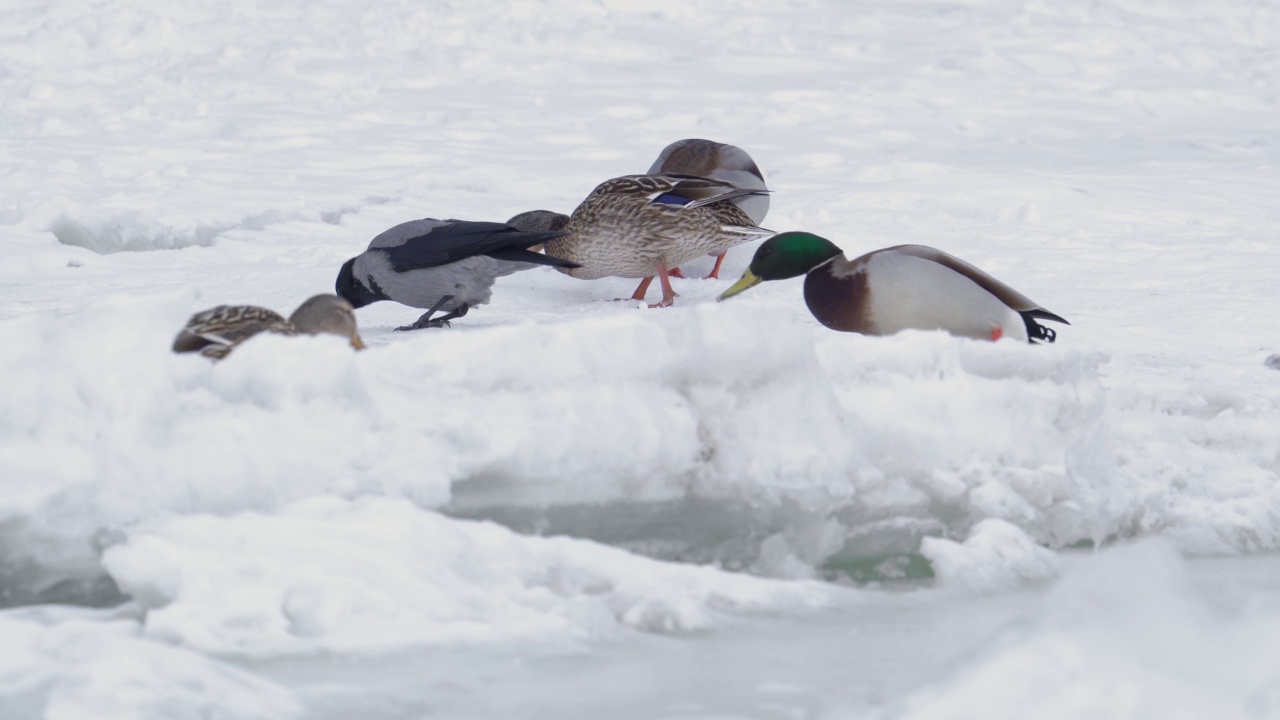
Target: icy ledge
381	574
717	433
74	664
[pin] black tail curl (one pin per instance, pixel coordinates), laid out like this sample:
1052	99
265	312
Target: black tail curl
1037	332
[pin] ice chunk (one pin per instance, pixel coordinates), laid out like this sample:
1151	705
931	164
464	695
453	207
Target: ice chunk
378	574
77	665
997	555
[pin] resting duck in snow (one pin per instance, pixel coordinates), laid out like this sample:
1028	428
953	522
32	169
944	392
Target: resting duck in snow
641	226
445	265
897	288
718	161
215	332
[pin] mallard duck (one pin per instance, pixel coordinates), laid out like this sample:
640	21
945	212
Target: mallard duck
217	331
640	226
897	288
440	265
718	161
539	221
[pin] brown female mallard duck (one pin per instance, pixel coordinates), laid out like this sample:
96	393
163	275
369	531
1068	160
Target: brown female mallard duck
718	161
215	332
897	288
641	226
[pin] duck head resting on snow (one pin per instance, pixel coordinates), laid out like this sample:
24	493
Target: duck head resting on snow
215	332
718	161
446	265
897	288
641	226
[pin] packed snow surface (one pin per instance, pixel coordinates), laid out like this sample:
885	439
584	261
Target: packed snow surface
565	506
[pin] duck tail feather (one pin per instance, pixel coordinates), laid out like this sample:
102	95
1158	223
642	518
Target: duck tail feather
1042	314
730	195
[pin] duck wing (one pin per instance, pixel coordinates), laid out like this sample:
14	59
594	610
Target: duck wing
1029	309
432	243
691	191
228	325
1007	295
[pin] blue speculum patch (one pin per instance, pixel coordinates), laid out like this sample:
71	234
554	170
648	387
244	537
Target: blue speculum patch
669	199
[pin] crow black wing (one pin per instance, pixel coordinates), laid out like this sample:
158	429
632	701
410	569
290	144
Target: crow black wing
458	239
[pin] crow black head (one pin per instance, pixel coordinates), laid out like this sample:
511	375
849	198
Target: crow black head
354	291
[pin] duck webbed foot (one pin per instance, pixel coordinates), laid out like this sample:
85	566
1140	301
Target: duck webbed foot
641	289
715	271
713	275
668	293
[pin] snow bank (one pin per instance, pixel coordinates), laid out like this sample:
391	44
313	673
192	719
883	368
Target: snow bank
722	433
996	556
128	230
380	574
73	665
1123	636
1060	442
101	426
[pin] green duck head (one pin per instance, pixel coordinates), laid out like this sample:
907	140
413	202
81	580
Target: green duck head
788	255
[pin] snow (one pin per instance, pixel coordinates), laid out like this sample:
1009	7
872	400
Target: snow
1121	637
995	556
72	664
566	506
379	574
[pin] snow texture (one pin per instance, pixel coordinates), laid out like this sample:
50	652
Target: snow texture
325	574
1121	637
563	473
997	555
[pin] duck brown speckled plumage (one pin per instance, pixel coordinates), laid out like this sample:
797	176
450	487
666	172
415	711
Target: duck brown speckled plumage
215	332
718	161
640	226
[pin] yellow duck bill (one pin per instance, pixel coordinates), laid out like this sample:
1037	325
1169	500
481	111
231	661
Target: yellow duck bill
747	281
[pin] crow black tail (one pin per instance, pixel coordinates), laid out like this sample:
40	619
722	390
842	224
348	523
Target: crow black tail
529	239
528	256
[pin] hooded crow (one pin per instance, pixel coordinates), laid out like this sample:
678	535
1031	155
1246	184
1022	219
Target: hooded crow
447	265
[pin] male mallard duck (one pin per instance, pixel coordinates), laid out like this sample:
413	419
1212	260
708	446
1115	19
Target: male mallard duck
440	265
718	161
639	226
897	288
216	331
